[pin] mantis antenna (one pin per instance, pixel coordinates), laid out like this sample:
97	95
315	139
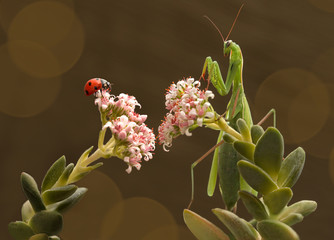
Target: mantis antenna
215	27
234	21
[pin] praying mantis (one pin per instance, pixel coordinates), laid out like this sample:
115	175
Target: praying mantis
224	162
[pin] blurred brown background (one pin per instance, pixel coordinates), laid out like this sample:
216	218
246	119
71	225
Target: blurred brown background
49	49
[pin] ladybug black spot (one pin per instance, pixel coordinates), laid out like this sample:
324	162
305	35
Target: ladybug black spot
95	88
87	92
89	83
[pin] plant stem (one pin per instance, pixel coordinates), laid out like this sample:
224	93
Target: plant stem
226	128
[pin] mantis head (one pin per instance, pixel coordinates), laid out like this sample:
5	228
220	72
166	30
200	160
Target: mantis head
229	45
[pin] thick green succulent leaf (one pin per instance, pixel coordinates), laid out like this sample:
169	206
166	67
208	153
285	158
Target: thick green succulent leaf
244	130
244	186
40	236
274	230
246	149
65	175
228	174
49	222
228	138
27	211
214	169
202	228
291	169
54	238
241	229
84	173
269	151
292	219
57	194
253	205
256	177
256	132
253	222
304	207
20	230
68	202
92	167
31	191
278	199
53	173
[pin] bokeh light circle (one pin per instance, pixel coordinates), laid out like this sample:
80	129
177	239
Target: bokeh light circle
102	194
10	8
43	22
301	101
55	36
321	144
134	218
23	95
69	49
324	64
33	59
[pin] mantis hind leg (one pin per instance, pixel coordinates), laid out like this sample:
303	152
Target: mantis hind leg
271	112
194	164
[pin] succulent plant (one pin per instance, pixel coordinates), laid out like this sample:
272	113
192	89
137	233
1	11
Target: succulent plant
262	165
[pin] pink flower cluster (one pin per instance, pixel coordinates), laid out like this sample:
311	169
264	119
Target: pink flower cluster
188	107
134	140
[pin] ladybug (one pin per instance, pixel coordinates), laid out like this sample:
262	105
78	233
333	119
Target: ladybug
96	84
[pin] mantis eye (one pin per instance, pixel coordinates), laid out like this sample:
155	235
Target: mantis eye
228	43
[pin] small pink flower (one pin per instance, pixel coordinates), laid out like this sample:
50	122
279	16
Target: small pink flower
134	140
188	107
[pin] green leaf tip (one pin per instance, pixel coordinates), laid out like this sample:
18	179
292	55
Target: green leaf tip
40	236
291	169
20	230
253	205
228	138
202	228
304	207
278	199
256	132
54	238
269	151
85	155
240	229
274	230
27	211
292	219
256	177
31	191
53	173
65	175
67	203
57	194
244	130
246	149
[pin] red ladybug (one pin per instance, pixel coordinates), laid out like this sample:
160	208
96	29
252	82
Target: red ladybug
95	84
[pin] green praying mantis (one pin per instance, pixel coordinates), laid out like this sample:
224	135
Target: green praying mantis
225	158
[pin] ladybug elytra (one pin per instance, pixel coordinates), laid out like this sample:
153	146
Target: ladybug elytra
95	84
